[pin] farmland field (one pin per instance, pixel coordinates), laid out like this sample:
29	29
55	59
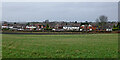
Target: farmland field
60	46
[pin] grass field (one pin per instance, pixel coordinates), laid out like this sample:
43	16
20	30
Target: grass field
0	46
60	46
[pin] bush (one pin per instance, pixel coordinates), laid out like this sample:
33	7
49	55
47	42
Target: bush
114	29
4	29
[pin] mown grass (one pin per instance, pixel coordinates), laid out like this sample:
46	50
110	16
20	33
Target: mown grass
60	46
0	46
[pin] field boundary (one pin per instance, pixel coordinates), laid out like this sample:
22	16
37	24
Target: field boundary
56	33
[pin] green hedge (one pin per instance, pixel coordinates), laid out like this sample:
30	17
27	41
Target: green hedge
114	29
5	29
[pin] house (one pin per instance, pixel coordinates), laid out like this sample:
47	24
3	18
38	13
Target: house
4	26
30	27
86	27
39	26
58	26
71	28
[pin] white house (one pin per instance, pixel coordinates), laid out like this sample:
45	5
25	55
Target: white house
30	27
11	27
70	28
4	27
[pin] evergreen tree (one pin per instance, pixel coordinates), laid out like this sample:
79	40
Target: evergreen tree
47	26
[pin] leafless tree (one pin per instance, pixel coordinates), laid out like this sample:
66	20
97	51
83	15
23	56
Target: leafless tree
102	21
97	22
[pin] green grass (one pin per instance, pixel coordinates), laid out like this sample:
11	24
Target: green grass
0	46
60	46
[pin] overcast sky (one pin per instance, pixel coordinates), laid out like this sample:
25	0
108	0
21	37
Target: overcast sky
60	0
58	11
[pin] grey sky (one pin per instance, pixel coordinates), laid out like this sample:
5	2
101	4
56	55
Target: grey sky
58	11
60	0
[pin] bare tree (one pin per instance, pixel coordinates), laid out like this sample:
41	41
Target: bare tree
97	22
103	21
